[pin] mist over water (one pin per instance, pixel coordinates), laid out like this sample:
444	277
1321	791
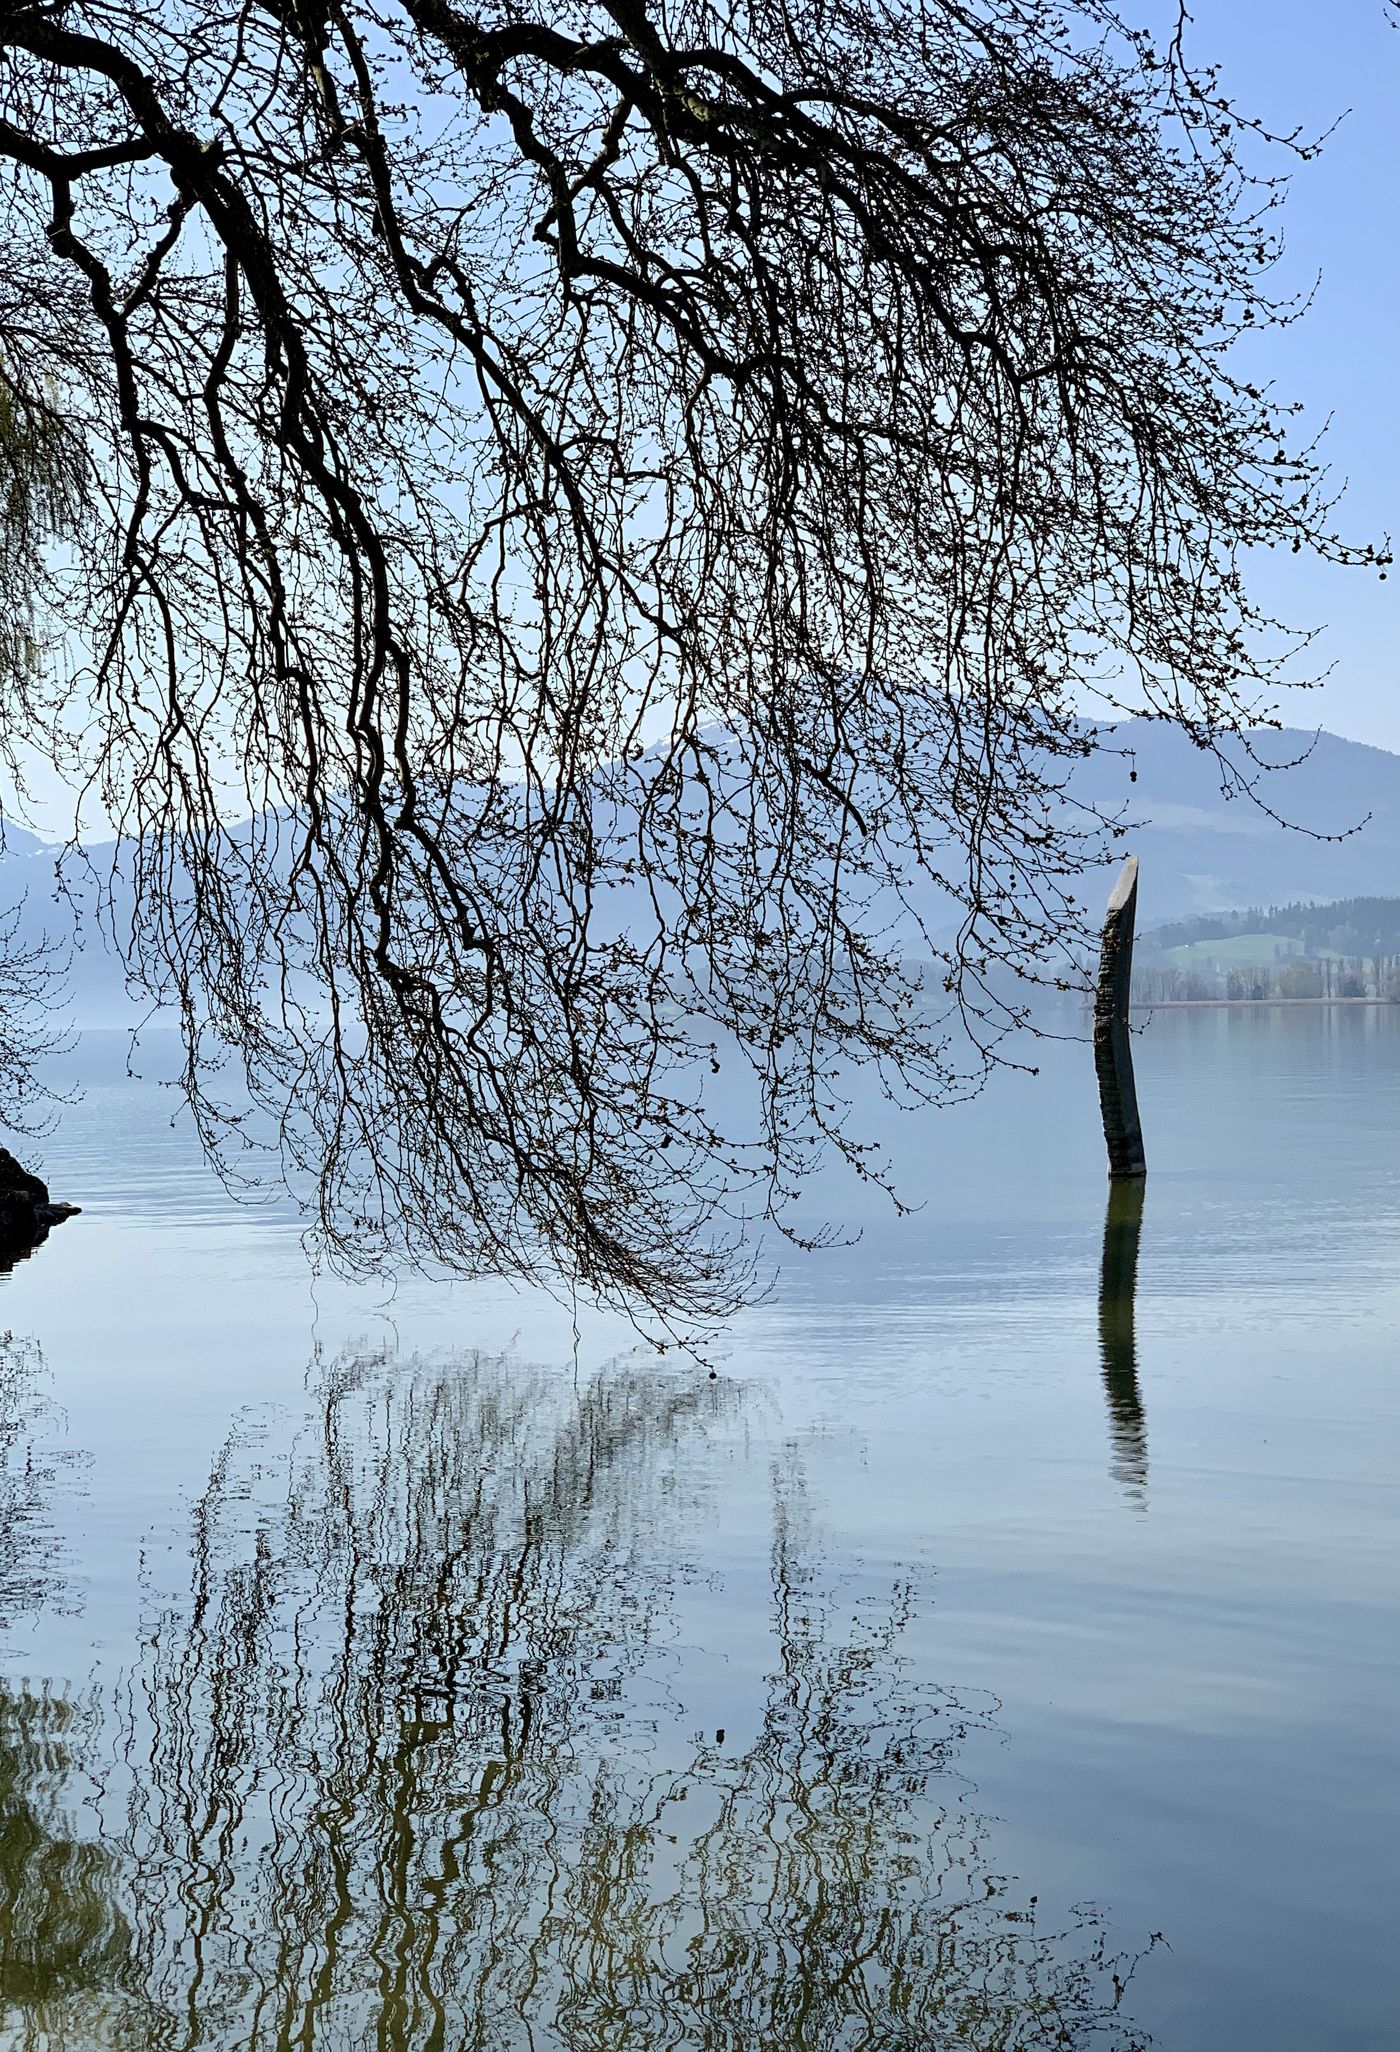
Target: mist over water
1000	1650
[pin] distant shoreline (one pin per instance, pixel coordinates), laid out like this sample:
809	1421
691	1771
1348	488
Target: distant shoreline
1246	1004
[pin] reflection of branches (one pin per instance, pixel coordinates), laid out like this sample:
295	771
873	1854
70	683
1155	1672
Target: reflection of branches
61	1935
449	1598
31	1457
823	1901
395	1776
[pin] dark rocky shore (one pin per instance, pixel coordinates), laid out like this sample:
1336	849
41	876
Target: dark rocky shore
27	1212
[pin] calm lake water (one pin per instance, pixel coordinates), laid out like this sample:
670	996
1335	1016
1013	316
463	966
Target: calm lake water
976	1660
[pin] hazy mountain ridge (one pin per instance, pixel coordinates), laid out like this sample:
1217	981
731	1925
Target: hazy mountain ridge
1200	852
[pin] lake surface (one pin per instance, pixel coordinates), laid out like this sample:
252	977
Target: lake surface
978	1659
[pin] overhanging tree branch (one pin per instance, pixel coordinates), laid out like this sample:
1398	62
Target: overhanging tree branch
609	532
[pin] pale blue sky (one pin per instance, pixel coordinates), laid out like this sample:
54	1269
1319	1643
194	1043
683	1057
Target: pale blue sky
1307	61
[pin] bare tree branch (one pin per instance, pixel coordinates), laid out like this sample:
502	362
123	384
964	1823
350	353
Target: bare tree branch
639	506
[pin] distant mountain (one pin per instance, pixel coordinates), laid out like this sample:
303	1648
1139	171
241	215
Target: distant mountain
61	913
1199	851
1202	852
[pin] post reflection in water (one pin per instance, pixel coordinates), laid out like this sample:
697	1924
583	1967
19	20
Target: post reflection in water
406	1767
1127	1424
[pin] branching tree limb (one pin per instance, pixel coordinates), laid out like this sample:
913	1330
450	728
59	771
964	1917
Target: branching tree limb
41	489
636	502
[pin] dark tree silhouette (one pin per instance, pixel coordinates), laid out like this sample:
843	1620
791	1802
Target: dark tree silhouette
634	503
41	497
41	479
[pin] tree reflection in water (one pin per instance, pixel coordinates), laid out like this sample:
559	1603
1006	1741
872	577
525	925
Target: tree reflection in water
33	1456
402	1768
62	1935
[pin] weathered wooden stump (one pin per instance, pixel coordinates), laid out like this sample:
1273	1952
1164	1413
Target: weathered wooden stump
1127	1425
1113	1046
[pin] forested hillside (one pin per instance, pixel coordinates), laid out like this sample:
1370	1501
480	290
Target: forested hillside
1348	949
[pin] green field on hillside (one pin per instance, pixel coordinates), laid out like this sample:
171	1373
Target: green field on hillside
1237	951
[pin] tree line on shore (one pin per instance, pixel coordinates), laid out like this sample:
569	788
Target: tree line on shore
1350	949
1299	976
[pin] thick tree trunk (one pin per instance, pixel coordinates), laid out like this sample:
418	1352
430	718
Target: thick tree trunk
1113	1050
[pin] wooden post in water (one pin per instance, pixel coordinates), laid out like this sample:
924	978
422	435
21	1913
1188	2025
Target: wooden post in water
1113	1048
